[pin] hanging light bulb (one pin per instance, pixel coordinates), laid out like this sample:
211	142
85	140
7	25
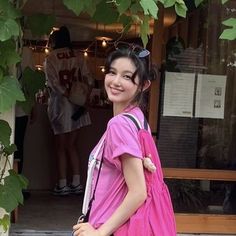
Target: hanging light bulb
39	67
103	69
104	43
46	50
85	54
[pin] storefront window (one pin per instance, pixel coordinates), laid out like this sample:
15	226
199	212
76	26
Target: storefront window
197	127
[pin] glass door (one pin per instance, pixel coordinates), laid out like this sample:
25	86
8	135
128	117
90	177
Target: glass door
196	134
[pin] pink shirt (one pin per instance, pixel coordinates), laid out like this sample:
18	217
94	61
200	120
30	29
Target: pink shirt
121	137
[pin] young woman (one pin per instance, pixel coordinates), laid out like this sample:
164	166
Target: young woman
121	188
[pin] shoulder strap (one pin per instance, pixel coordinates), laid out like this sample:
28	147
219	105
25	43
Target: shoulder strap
136	121
88	199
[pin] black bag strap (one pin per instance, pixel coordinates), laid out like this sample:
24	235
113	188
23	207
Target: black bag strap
134	119
95	187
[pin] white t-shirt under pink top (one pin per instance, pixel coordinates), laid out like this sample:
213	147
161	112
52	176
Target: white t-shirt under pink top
121	137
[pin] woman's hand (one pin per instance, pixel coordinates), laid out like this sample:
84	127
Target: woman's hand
148	164
85	229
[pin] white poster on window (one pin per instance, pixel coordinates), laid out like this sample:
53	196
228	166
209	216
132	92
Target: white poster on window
210	96
178	94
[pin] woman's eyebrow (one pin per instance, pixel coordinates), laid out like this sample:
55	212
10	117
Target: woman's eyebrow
124	71
128	71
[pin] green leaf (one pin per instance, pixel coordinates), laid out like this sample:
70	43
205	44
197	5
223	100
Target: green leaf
11	191
31	82
90	9
5	222
169	3
126	22
7	200
8	54
5	133
8	28
22	181
88	3
149	7
41	24
75	5
136	19
105	13
123	5
8	10
9	150
161	1
230	22
198	2
90	6
1	72
135	8
224	1
229	34
181	9
144	30
10	92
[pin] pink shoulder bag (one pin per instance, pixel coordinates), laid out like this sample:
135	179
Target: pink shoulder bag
156	216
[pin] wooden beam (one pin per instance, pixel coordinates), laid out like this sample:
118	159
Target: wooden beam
199	174
206	223
157	44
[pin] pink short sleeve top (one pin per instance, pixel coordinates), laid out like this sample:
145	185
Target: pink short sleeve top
121	138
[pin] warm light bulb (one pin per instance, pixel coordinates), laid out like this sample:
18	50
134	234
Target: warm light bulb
104	43
46	50
85	54
39	67
103	69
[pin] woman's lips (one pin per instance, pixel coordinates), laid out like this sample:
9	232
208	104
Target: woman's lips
115	90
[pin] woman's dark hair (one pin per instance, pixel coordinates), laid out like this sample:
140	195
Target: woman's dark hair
143	71
61	38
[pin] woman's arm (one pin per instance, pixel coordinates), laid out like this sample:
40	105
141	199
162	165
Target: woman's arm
137	193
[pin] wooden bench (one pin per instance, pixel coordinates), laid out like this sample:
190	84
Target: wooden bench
203	223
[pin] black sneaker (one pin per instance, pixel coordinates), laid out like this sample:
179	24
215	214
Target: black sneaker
78	189
61	191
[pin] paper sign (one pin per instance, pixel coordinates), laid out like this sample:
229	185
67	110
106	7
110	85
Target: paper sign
210	96
178	95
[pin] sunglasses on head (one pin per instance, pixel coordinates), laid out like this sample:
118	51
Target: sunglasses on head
136	49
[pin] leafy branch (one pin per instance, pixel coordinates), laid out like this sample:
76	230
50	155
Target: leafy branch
229	33
127	12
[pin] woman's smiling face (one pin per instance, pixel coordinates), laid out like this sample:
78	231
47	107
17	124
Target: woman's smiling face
120	88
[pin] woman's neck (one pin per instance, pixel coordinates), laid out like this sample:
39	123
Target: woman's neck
118	109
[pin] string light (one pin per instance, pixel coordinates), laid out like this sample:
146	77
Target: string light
102	68
85	54
39	67
104	43
46	50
